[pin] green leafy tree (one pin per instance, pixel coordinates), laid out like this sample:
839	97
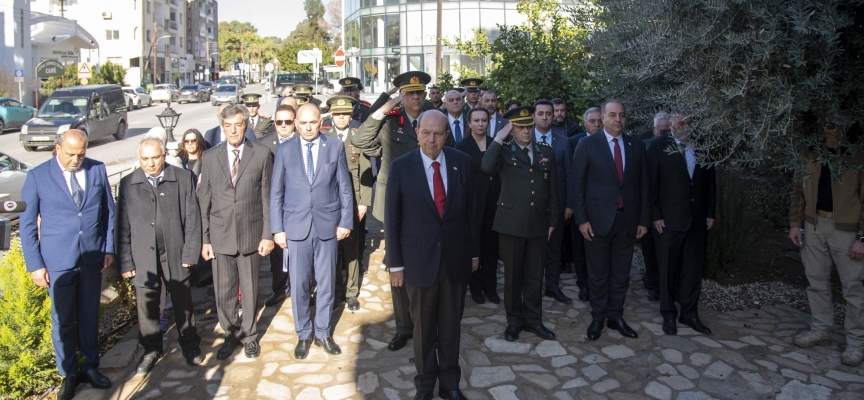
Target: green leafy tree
234	38
314	28
113	73
288	56
446	81
70	77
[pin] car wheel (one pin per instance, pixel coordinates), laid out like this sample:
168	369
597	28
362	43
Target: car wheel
121	131
149	102
130	106
2	126
29	148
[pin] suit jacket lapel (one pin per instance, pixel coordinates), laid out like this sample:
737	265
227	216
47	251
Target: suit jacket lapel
224	164
452	175
322	154
57	175
420	180
89	178
607	154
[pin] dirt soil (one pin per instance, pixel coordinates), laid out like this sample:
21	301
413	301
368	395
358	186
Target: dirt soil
771	257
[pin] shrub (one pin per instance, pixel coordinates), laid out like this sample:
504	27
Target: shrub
26	352
735	224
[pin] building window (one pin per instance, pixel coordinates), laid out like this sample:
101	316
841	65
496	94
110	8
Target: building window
173	16
148	35
112	35
148	5
393	30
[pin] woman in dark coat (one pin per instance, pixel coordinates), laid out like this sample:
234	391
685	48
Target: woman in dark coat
486	190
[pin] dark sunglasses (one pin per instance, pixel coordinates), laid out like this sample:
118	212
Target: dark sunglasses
187	141
286	122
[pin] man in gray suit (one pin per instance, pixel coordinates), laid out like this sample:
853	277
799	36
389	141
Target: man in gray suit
312	207
234	195
158	208
489	101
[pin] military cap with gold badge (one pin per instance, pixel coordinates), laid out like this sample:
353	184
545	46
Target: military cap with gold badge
472	84
341	104
350	83
302	93
413	81
521	116
251	99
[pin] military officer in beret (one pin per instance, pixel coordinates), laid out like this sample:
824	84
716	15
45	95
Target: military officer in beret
472	92
344	128
259	123
303	94
526	216
351	87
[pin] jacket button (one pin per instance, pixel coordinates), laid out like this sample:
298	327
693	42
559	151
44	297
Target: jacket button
80	232
532	181
152	248
152	224
531	170
79	214
532	204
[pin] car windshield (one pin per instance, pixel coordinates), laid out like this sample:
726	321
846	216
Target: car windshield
206	83
160	87
63	107
303	76
190	87
226	88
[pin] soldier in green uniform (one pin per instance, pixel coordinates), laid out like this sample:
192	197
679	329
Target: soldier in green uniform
345	128
259	123
351	87
472	92
303	94
527	212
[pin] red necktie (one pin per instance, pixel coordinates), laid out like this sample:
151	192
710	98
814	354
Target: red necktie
438	186
619	166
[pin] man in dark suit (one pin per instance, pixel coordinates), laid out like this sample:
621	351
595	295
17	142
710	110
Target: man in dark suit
593	121
683	202
257	122
67	256
561	125
393	132
283	125
543	115
435	101
311	208
651	278
525	220
456	117
158	208
216	135
234	196
489	101
610	174
432	242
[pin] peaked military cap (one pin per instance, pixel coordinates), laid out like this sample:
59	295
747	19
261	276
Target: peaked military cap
341	104
521	116
350	83
303	90
413	81
472	84
251	99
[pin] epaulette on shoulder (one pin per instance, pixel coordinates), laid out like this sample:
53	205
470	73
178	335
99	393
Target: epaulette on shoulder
365	103
393	113
507	143
544	144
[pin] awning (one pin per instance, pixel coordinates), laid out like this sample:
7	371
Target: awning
52	30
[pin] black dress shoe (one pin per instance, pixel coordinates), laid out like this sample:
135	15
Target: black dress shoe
558	295
302	349
583	294
696	324
594	329
194	356
95	379
147	361
329	345
451	395
226	349
653	295
399	341
493	297
669	327
252	349
478	298
353	304
67	387
541	331
423	396
274	299
511	334
622	328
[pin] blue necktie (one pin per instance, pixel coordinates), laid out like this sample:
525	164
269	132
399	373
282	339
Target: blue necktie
457	134
77	192
543	138
310	164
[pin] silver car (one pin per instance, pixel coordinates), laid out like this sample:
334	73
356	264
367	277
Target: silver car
226	94
12	175
138	97
164	92
194	93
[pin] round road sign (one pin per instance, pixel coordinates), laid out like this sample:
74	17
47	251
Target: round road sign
339	57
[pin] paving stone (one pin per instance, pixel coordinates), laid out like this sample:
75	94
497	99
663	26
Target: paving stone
489	376
594	359
821	380
700	359
507	392
706	341
658	391
300	368
605	386
563	360
119	356
801	358
733	344
183	389
752	340
310	393
767	364
575	383
392	394
545	381
792	374
477	358
718	370
566	372
618	351
528	368
503	346
678	343
563	396
550	348
343	391
666	369
593	372
796	390
688	371
693	396
313	379
844	377
272	390
672	355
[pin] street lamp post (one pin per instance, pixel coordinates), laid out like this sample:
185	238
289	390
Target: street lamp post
168	119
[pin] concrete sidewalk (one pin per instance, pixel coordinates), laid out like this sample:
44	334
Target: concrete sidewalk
749	356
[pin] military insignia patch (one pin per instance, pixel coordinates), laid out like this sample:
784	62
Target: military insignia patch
415	79
523	113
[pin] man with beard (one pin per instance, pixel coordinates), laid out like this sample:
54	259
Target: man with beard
489	101
561	125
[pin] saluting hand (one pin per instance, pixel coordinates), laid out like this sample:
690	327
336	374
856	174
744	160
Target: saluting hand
388	106
504	132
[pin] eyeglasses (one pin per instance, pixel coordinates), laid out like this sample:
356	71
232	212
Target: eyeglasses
830	126
286	122
188	141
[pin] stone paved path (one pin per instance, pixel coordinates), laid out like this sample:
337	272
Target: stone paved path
749	356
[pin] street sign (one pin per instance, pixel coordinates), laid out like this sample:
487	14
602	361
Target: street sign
49	68
19	75
268	67
309	56
206	70
84	71
339	57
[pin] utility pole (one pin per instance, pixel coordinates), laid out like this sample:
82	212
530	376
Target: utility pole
438	43
153	47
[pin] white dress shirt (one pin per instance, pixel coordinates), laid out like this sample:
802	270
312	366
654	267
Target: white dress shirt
315	146
538	137
80	176
230	150
344	134
689	155
221	134
430	172
620	145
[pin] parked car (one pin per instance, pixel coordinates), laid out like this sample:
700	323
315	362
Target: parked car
98	110
208	86
12	175
13	114
284	80
138	96
192	93
226	94
164	92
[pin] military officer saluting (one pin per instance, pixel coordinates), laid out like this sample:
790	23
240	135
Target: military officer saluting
351	87
472	92
303	94
527	212
259	123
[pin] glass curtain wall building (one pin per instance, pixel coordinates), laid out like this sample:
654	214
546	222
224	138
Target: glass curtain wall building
384	38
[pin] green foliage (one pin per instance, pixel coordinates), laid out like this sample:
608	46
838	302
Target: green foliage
288	56
113	73
125	292
70	74
314	28
735	224
26	352
542	58
446	81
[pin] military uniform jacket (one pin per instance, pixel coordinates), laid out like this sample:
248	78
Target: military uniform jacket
261	126
528	204
361	111
359	166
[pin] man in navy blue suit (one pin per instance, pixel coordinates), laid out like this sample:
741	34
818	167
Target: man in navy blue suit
215	136
432	249
75	245
456	121
311	208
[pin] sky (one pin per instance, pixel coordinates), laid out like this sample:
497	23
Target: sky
271	17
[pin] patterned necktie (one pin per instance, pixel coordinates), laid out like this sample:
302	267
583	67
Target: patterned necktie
619	166
154	181
457	132
77	192
235	166
438	188
310	164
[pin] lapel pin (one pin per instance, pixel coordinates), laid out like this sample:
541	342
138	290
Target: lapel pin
161	194
455	169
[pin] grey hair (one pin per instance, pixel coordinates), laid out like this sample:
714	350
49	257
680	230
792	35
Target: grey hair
589	111
233	110
492	92
73	132
661	116
452	91
150	140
